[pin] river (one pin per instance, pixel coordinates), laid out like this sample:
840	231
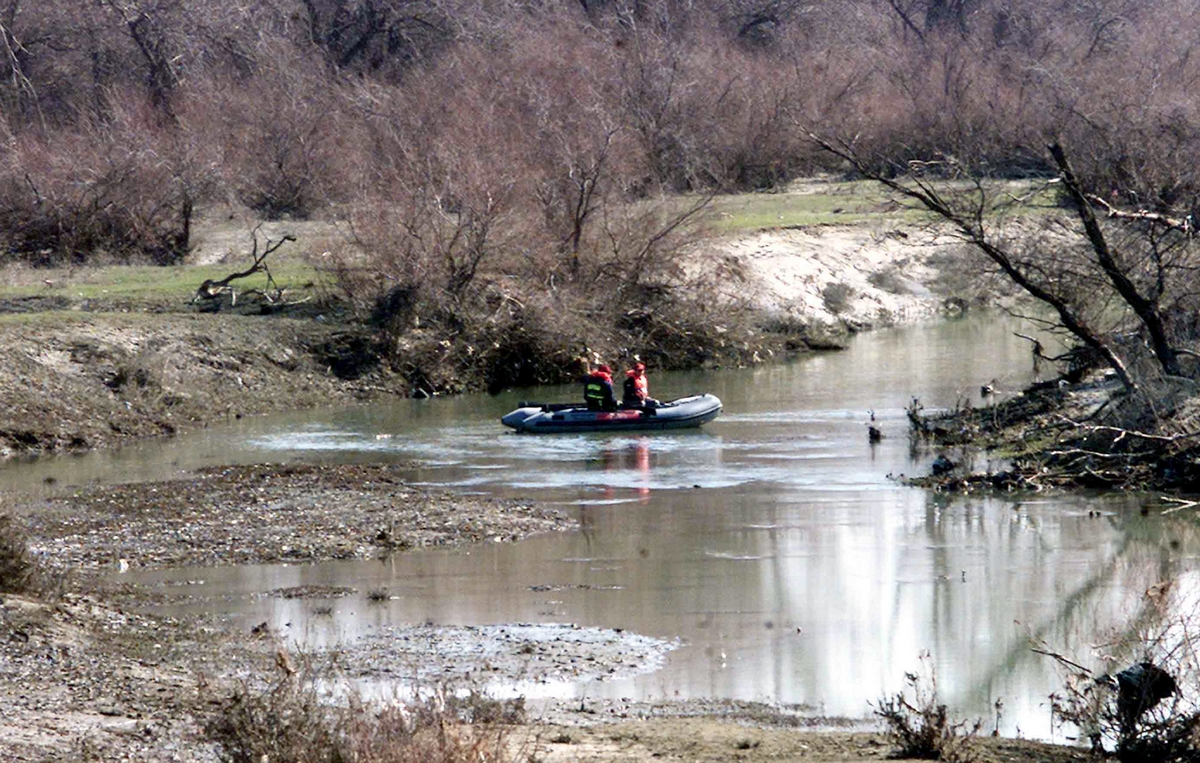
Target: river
775	547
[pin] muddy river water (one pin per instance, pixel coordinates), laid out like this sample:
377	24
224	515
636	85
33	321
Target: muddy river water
774	550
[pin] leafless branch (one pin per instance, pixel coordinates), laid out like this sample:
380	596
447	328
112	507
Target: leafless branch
211	289
1123	433
1062	659
1183	503
1182	224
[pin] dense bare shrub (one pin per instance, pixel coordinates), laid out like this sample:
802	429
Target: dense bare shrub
1146	708
382	37
475	154
291	722
287	148
921	727
20	571
125	190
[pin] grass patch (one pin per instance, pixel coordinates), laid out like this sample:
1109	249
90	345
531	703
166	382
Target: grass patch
46	318
812	204
816	202
144	284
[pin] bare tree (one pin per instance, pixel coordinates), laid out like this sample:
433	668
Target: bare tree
145	26
21	90
922	17
967	210
1145	306
377	35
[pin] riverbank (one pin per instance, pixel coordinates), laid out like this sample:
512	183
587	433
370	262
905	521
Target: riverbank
1060	434
78	380
83	680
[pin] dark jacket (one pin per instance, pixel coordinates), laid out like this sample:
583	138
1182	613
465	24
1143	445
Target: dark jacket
598	392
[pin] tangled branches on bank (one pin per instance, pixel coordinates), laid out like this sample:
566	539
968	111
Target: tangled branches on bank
1085	436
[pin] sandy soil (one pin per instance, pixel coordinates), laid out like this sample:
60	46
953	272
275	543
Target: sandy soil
863	276
699	740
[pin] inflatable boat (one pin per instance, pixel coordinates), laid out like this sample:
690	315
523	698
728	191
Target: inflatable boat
551	418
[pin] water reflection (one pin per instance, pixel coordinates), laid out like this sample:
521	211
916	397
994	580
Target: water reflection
630	459
826	602
772	543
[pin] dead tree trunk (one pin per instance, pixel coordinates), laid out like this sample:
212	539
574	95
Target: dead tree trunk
212	289
1145	309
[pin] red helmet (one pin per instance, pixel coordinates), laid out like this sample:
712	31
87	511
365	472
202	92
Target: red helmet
639	366
604	369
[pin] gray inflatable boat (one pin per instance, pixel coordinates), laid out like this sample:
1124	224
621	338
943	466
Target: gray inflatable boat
555	418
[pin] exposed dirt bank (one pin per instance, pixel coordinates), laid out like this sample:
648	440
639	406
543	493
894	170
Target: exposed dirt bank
852	276
75	381
264	514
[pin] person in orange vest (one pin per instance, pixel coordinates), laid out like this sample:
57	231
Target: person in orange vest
636	390
598	390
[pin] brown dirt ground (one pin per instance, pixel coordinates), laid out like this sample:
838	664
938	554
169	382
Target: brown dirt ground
699	740
76	381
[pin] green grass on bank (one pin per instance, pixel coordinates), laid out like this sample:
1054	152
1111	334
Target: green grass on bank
817	202
144	283
810	203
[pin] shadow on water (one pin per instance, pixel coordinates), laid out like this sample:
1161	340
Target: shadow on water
774	544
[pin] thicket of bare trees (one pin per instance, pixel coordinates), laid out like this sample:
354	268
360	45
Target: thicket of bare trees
492	163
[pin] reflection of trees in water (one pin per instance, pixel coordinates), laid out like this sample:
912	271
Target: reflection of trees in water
1107	619
872	580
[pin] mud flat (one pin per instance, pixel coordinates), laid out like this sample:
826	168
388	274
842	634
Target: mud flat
82	679
264	514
